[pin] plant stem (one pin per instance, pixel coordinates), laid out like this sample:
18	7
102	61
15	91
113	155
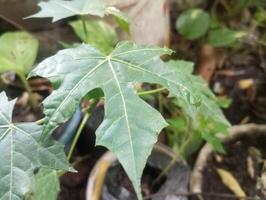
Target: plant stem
26	85
165	170
160	101
185	146
181	153
144	93
151	91
40	121
83	19
226	6
13	23
81	126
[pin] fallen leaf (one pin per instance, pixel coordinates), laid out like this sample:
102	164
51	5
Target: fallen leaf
229	181
250	167
245	83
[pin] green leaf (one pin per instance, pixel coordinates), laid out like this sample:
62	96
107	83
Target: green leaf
46	185
224	102
214	141
193	23
207	119
21	153
100	34
60	9
127	117
18	51
182	66
224	37
209	107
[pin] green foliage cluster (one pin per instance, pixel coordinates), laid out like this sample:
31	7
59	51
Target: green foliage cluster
195	23
213	25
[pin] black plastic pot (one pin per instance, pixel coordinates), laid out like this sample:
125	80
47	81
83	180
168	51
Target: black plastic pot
176	181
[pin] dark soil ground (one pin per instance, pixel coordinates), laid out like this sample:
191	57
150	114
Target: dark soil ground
73	185
235	162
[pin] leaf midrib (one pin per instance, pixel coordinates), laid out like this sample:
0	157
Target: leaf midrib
125	113
11	167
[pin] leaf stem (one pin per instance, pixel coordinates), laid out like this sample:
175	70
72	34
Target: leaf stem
226	6
81	126
83	19
13	23
40	121
182	152
26	85
166	169
151	91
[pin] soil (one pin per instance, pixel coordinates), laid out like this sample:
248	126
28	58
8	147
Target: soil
248	101
119	186
235	161
73	185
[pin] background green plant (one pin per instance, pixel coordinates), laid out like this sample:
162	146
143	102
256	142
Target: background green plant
212	26
18	52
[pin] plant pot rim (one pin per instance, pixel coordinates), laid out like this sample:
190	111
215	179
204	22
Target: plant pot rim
234	133
97	175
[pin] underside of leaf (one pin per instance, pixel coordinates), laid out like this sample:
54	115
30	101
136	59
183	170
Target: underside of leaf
60	9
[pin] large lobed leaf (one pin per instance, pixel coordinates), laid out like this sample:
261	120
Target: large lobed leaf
21	153
130	126
60	9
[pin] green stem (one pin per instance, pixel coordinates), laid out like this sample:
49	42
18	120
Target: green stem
26	85
160	101
165	170
181	153
226	6
81	126
40	121
185	146
151	91
83	19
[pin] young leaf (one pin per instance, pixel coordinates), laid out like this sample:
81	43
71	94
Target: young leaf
46	185
224	37
207	119
131	126
100	34
60	9
193	23
21	153
18	51
209	107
